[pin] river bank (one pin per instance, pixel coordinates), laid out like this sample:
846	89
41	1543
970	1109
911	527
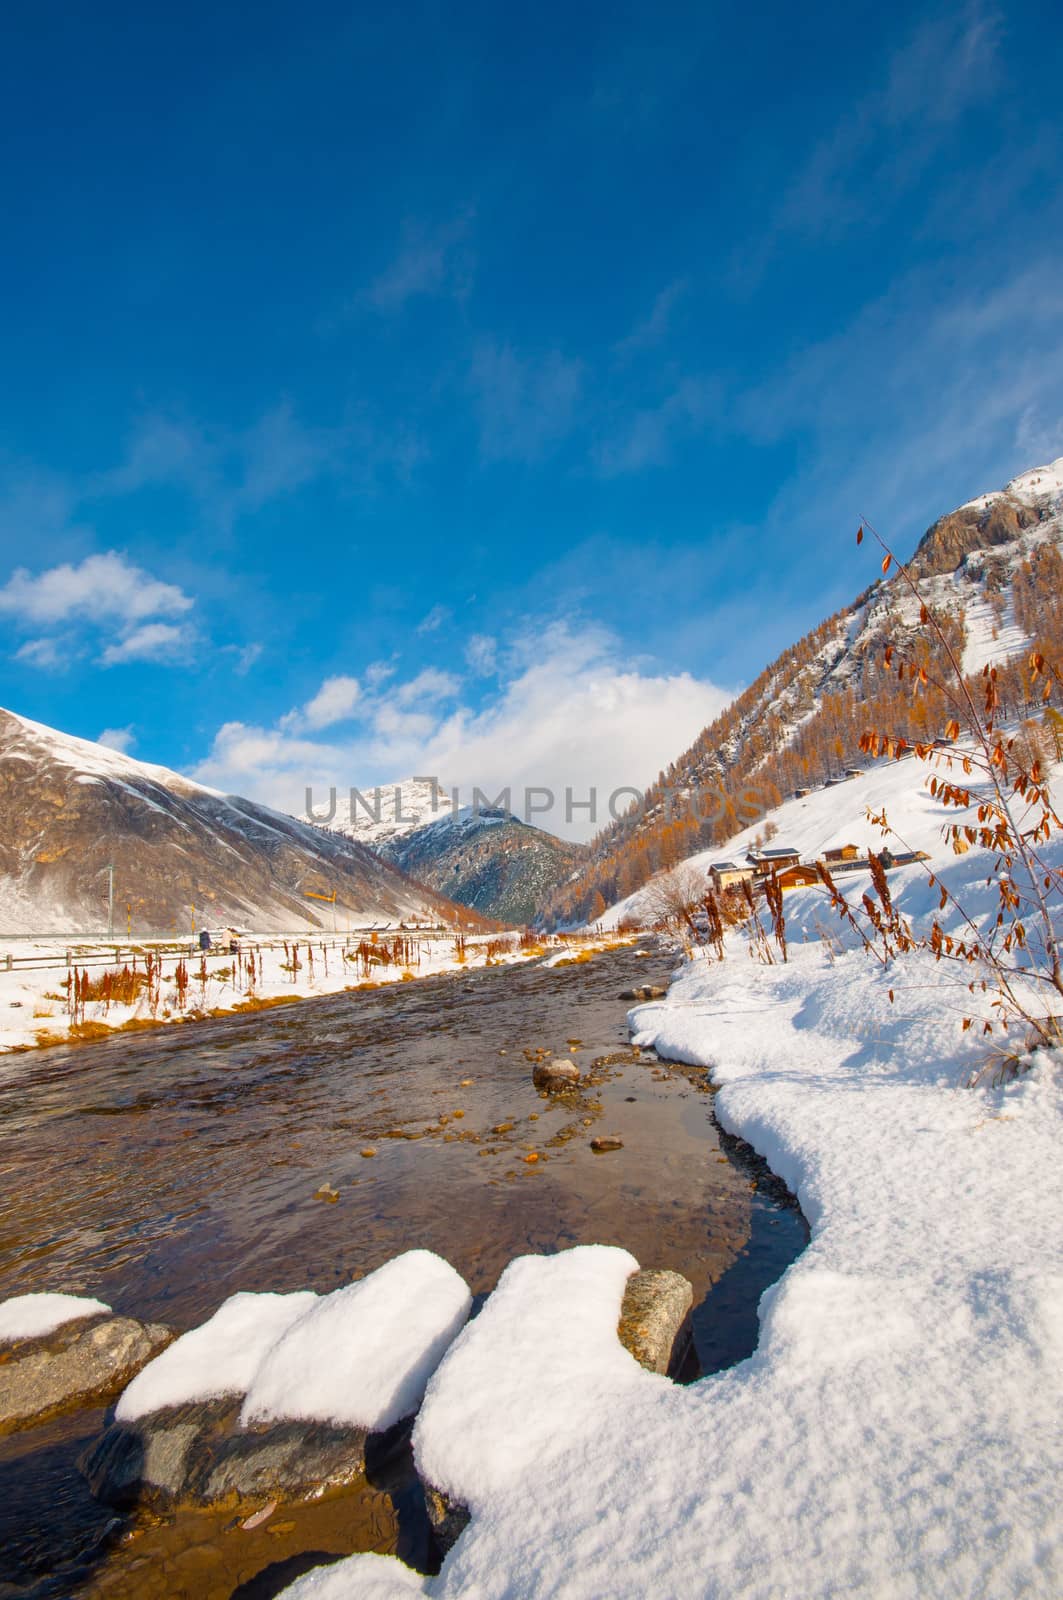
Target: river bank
133	985
197	1160
897	1430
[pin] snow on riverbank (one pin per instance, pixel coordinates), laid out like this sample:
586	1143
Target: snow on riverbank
360	1356
30	1316
898	1430
35	1010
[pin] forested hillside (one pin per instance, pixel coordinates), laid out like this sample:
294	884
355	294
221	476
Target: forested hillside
993	573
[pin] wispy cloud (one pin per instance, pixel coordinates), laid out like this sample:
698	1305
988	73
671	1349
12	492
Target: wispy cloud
922	401
647	438
162	642
654	328
481	654
527	404
434	619
1039	438
430	261
246	656
878	150
228	472
50	655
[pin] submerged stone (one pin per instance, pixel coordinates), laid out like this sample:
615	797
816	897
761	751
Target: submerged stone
556	1074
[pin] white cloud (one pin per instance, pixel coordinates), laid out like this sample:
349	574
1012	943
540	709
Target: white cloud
161	642
334	702
246	656
572	712
102	586
47	654
427	687
481	653
121	739
435	619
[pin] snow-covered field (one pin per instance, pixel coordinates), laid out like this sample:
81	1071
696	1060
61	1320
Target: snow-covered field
898	1431
34	1008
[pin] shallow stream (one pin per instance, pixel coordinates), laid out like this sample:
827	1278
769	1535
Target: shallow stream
163	1171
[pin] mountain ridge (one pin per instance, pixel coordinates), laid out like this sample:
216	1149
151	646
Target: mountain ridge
992	570
69	808
480	856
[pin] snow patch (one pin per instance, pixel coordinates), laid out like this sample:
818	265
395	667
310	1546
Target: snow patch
363	1355
31	1316
218	1358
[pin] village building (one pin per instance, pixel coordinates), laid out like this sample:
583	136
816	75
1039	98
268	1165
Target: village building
764	862
798	876
842	852
729	875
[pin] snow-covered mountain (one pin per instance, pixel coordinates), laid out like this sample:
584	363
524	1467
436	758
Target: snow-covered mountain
378	816
992	571
70	808
479	856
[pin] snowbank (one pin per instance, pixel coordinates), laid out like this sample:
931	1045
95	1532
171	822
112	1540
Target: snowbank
897	1431
30	1316
359	1356
363	1355
220	1357
543	1349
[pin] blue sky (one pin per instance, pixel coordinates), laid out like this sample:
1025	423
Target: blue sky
491	392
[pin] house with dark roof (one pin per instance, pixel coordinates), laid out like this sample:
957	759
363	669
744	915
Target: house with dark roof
730	875
765	862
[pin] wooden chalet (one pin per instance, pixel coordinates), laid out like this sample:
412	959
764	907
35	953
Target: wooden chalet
730	875
765	862
798	876
842	852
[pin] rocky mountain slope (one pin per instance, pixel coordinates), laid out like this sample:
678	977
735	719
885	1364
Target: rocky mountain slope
992	571
480	856
70	808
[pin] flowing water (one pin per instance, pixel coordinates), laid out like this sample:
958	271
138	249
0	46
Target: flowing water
163	1171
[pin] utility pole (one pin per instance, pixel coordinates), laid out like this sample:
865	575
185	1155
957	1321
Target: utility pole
110	901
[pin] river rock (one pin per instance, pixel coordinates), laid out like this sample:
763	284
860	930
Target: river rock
197	1454
556	1074
448	1518
645	991
605	1142
655	1319
91	1358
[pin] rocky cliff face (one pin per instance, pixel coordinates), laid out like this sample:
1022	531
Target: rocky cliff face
70	808
983	524
991	571
491	862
